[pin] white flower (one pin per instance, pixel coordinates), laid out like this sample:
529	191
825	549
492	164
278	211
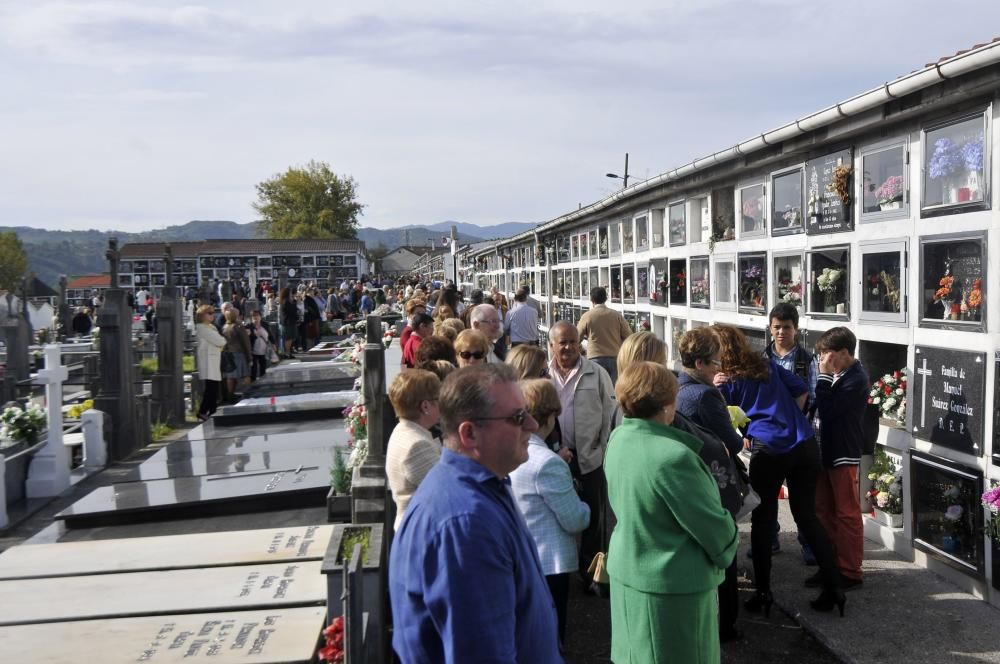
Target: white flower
953	513
900	392
882	499
877	400
887	378
889	403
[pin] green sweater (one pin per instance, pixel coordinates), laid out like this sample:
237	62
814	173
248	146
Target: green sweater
673	535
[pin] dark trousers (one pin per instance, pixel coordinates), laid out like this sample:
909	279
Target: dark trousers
209	398
610	364
729	599
594	492
559	587
800	467
259	367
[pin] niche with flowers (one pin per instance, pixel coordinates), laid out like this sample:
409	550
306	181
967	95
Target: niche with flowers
659	282
642	283
616	283
828	281
786	202
676	220
788	279
751	211
753	282
953	276
678	281
883	281
955	168
698	278
628	277
947	514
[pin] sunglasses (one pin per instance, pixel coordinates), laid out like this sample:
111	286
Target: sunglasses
517	419
467	355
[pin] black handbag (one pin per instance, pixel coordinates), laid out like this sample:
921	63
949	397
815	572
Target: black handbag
228	362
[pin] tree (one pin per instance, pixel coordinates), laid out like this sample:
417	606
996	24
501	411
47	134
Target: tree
13	261
308	203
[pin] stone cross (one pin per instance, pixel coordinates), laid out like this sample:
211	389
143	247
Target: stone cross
113	256
168	259
62	312
48	474
374	389
925	372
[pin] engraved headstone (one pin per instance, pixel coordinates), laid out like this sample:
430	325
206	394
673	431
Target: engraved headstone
26	601
949	397
142	554
168	382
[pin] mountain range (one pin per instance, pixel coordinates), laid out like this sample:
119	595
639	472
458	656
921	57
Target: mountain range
76	253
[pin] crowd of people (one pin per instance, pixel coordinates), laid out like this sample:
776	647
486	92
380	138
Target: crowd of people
513	469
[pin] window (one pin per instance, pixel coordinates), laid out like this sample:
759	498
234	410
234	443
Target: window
658	281
725	282
657	228
723	219
616	238
698	278
884	187
676	220
753	282
593	244
628	275
603	239
616	283
627	246
788	279
829	281
699	219
751	206
883	281
953	282
576	247
955	160
678	281
642	283
642	233
786	202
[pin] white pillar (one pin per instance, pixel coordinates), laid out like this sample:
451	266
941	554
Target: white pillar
95	448
48	474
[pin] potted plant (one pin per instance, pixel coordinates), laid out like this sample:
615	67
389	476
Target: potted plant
20	431
752	286
338	501
886	492
889	194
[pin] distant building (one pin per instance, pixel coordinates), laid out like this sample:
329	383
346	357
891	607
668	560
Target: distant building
276	262
79	291
400	261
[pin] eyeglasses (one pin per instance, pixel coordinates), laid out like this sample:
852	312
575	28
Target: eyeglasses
517	419
467	355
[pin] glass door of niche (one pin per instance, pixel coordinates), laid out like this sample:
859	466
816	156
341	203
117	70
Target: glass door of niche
787	276
883	281
753	282
642	283
828	282
953	281
724	283
616	283
699	282
628	277
657	228
947	513
659	281
699	219
677	223
641	232
678	282
751	208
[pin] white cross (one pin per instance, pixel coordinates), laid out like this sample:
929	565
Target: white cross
925	372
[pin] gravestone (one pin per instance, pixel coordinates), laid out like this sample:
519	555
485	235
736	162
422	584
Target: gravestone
17	337
48	474
243	462
285	635
374	390
325	438
168	382
826	211
949	398
63	312
143	554
194	497
26	601
117	395
290	408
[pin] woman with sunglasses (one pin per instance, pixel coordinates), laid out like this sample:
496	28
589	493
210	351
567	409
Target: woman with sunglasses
472	347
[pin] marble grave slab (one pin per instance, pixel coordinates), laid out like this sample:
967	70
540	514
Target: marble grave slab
300	377
274	636
137	554
178	464
192	497
294	406
242	587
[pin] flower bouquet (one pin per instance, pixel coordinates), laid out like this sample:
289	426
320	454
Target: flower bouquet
752	287
699	291
828	283
333	636
18	425
886	492
890	193
356	425
790	291
944	294
991	501
889	394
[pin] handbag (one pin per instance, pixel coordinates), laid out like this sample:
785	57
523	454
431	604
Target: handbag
751	499
597	569
228	362
272	356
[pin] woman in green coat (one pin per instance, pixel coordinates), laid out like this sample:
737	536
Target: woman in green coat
673	540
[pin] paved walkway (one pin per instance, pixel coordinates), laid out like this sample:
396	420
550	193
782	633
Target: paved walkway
904	612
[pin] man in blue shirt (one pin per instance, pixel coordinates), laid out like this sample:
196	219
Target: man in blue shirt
465	580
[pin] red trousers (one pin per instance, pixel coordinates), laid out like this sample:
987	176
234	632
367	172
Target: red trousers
838	508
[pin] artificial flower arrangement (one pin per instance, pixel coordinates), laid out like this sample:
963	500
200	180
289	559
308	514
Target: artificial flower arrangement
889	394
841	183
79	409
356	425
333	636
389	335
991	501
890	191
20	425
886	492
699	291
945	160
357	353
752	286
828	283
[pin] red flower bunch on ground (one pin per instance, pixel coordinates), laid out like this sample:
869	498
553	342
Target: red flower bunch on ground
333	651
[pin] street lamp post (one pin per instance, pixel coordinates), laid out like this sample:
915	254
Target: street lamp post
623	178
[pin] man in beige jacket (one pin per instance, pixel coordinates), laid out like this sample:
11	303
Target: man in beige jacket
604	329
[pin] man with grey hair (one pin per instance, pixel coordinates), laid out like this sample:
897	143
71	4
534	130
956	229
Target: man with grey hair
486	319
586	395
465	580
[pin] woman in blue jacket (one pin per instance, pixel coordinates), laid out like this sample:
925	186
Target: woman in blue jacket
783	447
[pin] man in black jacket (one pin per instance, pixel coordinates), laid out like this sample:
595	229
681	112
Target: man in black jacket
841	398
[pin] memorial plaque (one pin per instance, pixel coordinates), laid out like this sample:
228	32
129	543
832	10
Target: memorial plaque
140	554
26	601
949	388
285	636
191	465
208	495
825	209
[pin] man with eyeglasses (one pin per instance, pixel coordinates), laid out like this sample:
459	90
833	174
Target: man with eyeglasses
486	319
586	395
465	580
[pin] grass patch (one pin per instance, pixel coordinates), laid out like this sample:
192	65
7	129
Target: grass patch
149	365
159	431
357	535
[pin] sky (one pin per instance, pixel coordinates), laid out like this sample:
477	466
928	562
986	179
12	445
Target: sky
140	115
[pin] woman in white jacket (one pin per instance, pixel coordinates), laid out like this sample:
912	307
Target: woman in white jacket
543	488
209	355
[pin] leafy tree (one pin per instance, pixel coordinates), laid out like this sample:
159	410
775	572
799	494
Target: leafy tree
308	203
13	261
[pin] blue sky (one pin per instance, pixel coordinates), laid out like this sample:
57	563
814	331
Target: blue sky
139	115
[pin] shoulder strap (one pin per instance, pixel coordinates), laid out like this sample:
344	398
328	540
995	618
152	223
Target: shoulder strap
803	359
